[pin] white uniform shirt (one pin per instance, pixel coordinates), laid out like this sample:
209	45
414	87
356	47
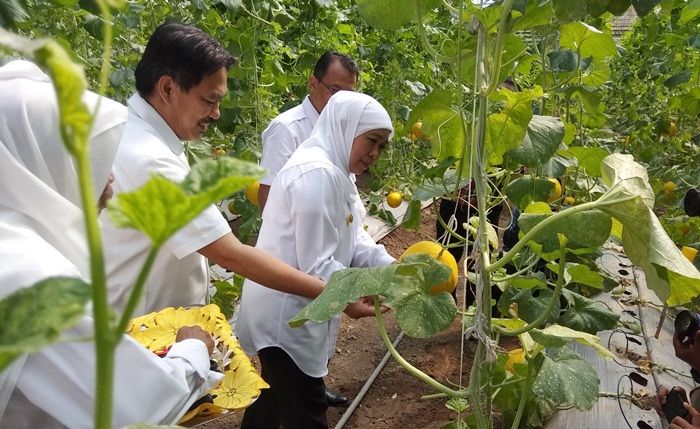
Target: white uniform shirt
179	275
54	387
284	135
312	223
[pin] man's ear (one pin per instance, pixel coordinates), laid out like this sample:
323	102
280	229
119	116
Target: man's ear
164	88
313	82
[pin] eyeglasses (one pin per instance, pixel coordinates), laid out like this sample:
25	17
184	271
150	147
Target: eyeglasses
330	89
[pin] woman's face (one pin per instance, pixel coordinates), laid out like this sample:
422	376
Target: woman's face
366	149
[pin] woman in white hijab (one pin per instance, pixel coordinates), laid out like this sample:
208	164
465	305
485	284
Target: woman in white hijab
310	222
42	235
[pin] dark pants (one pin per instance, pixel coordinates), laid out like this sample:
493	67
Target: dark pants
445	210
293	401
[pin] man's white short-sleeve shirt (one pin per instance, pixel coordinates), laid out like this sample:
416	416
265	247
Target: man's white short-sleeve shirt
284	135
179	276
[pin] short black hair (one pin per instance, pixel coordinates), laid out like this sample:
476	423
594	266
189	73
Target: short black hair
325	61
183	52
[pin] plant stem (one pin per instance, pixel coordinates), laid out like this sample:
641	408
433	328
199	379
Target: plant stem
537	229
526	393
137	291
415	372
552	302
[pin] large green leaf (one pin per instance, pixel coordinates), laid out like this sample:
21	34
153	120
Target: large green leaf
557	335
34	317
568	11
535	15
583	314
386	14
630	199
589	228
161	207
526	189
690	12
544	135
588	158
566	379
587	40
405	285
506	129
643	7
582	274
441	123
11	12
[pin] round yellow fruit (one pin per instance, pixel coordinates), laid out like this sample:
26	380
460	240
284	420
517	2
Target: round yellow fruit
684	229
689	252
672	129
393	199
556	192
569	201
515	356
251	191
438	252
417	130
669	187
232	207
218	151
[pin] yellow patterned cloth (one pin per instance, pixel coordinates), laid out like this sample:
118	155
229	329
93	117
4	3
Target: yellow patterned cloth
241	383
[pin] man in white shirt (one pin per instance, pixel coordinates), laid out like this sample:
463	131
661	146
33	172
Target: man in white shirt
333	72
181	80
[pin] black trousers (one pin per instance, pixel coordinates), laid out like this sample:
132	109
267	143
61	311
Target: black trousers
294	399
445	210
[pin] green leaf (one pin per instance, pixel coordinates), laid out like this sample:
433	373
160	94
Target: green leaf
582	274
643	7
161	207
411	219
11	12
505	130
588	41
437	188
36	316
569	11
566	379
405	285
589	228
544	135
526	189
630	199
535	15
588	158
556	335
532	303
441	123
563	60
586	315
690	12
389	14
678	79
535	280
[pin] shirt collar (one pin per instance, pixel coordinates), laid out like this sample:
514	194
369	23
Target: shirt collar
140	107
310	110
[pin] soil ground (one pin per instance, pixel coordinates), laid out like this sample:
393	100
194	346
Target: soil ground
394	399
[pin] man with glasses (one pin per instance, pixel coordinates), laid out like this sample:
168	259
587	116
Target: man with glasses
333	72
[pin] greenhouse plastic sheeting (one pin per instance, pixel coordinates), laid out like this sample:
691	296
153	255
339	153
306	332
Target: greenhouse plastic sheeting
636	350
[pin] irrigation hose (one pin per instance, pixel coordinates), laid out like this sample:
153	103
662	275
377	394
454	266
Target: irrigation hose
367	385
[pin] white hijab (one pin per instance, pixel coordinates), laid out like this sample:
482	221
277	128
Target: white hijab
347	115
41	221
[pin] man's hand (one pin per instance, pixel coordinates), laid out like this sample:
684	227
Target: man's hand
661	400
688	351
364	307
681	423
197	333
